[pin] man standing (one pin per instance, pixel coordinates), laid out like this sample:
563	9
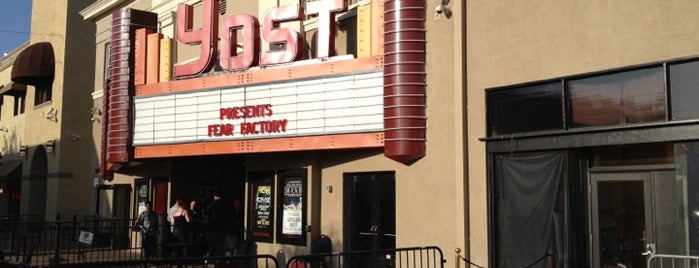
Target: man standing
217	225
147	223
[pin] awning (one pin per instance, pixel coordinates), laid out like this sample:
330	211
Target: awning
35	65
13	89
6	167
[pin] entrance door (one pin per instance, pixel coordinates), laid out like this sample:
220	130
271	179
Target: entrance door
372	210
621	218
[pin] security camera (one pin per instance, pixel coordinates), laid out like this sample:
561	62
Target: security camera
439	9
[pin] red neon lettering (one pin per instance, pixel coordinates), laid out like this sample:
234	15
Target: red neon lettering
204	36
271	126
326	24
230	60
272	34
218	130
232	113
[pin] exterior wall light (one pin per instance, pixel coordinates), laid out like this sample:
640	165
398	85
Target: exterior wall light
50	146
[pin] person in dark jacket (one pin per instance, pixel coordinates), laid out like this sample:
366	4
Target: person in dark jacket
147	223
217	225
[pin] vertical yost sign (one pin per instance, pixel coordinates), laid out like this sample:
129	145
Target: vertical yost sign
117	119
206	37
405	126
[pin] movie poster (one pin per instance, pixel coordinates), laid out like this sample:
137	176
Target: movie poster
262	208
293	207
292	195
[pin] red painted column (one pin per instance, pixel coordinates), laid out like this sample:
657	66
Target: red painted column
404	80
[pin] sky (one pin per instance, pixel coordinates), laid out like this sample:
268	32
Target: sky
15	23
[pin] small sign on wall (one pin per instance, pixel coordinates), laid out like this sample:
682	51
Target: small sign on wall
86	237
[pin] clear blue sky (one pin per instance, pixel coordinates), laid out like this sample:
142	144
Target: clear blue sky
15	23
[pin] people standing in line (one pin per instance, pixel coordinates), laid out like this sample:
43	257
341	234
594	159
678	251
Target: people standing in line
170	212
147	223
217	225
180	231
195	210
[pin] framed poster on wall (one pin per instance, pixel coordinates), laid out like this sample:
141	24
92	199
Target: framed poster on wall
291	227
261	206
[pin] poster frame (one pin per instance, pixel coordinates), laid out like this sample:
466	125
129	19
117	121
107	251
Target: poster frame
256	180
285	203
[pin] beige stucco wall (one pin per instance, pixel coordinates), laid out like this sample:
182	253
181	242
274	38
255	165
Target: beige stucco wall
512	42
50	21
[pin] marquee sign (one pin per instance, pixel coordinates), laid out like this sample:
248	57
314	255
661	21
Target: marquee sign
284	101
208	35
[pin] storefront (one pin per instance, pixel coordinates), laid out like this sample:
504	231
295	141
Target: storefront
596	166
312	120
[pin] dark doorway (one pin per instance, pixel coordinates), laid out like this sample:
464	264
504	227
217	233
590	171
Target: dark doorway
370	213
115	217
37	184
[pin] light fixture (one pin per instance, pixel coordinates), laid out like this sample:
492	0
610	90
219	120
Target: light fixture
50	146
75	137
4	129
23	150
96	114
443	8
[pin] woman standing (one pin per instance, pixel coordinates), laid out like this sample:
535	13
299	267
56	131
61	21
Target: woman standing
180	229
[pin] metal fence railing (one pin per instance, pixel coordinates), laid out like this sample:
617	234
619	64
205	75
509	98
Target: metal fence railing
43	243
252	261
112	243
669	261
419	257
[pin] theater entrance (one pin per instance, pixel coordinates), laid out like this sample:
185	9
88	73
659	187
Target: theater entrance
370	211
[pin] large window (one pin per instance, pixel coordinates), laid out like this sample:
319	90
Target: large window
684	89
43	94
525	109
656	93
19	104
617	99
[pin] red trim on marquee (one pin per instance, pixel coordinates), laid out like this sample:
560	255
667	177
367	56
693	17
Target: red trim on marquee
326	142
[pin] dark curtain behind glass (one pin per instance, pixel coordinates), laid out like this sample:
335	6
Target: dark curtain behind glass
528	225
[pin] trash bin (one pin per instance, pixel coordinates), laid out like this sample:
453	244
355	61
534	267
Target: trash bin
322	245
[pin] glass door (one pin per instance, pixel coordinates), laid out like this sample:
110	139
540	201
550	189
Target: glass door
621	218
372	215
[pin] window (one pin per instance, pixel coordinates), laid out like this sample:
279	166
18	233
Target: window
43	94
525	109
616	99
107	56
684	84
19	104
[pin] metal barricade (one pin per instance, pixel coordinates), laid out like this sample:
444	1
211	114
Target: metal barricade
669	261
252	261
417	257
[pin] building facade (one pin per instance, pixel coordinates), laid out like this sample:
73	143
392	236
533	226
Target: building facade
48	153
559	128
312	118
581	131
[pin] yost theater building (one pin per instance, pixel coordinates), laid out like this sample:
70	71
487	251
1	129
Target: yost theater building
340	118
